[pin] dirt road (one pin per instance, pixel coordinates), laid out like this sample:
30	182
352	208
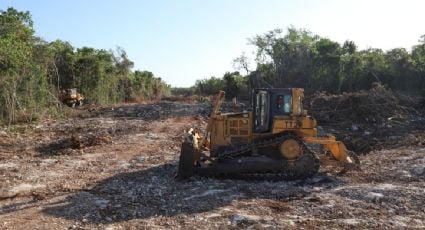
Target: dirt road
113	168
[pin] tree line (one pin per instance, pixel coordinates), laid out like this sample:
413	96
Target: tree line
298	58
34	71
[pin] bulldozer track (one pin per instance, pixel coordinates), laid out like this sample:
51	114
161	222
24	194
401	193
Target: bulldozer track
304	167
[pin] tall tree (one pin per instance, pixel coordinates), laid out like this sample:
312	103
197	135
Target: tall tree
326	65
16	47
418	56
291	56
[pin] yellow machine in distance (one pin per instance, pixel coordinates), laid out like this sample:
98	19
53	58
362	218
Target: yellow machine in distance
271	139
71	97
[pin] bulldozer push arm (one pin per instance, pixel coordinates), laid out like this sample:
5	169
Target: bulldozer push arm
216	109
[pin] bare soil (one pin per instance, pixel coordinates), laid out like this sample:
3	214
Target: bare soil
114	168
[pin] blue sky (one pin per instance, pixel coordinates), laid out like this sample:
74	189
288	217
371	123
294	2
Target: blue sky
185	40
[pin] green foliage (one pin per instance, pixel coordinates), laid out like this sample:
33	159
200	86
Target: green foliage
326	66
16	72
302	59
33	72
241	62
146	86
235	85
183	91
209	86
290	55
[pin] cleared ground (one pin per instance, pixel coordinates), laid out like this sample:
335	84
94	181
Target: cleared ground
114	168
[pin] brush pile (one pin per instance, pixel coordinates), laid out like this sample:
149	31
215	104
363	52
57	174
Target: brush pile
374	106
368	120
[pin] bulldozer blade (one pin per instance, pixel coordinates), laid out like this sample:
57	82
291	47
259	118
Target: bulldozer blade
351	163
187	156
338	151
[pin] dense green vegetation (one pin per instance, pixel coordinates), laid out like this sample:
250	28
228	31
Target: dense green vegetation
302	59
34	71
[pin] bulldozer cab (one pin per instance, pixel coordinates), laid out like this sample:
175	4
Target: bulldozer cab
269	103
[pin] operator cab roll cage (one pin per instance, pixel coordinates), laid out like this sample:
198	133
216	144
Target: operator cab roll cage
268	103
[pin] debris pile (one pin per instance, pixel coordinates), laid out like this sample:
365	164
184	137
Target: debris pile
90	139
375	106
188	98
160	110
368	120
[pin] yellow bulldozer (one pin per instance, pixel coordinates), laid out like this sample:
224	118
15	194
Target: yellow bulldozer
272	140
71	97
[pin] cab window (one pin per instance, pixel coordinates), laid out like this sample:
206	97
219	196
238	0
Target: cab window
262	111
284	103
280	103
288	103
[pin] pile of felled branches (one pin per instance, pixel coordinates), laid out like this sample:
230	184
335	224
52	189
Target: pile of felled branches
374	106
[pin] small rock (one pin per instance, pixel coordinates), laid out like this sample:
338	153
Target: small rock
374	196
152	136
102	204
419	171
236	219
243	219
